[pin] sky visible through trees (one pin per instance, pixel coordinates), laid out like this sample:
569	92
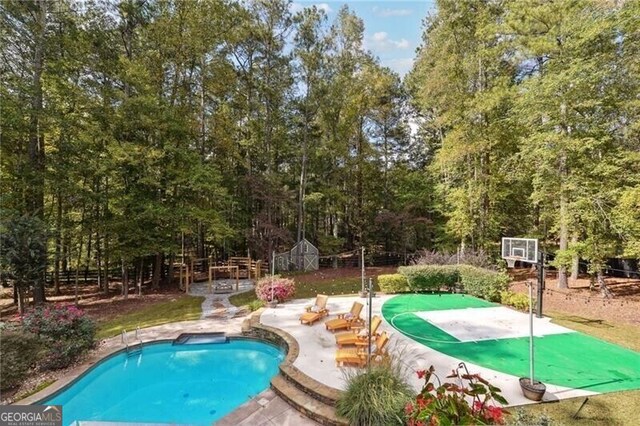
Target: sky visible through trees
133	128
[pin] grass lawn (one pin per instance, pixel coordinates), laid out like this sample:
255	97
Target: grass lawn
305	290
183	308
618	408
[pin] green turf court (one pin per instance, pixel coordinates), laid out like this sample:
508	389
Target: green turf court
570	359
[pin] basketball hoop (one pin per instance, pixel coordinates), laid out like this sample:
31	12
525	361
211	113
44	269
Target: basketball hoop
519	249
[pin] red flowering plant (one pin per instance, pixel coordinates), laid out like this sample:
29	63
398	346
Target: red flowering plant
456	404
55	322
65	331
275	288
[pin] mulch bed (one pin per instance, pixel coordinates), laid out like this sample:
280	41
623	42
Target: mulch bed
93	301
580	300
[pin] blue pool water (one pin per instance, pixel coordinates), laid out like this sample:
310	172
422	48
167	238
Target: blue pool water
185	384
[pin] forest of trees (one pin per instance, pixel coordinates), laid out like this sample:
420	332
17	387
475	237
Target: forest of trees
531	110
131	129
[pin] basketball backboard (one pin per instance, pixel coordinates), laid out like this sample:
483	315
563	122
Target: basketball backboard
522	249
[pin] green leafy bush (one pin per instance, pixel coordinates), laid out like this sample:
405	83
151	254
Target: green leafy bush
430	277
478	282
19	352
393	283
483	283
519	301
65	332
254	305
375	397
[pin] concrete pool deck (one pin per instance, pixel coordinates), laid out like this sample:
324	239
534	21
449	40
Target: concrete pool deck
317	349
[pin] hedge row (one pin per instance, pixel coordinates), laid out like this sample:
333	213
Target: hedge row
475	281
393	283
483	282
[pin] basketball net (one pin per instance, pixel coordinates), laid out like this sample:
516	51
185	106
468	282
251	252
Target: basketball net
511	262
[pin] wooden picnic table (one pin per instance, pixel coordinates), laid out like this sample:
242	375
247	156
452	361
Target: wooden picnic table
228	268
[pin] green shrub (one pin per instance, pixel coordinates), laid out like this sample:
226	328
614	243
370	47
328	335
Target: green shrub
430	277
483	283
19	352
375	397
254	305
65	331
393	283
478	282
519	301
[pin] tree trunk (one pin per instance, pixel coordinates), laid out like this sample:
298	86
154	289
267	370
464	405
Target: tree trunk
604	289
99	260
575	262
88	258
125	280
21	298
564	229
56	262
157	266
65	255
78	260
141	275
105	281
36	162
106	238
172	260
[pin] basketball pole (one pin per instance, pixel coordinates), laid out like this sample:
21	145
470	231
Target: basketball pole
531	352
369	315
362	275
541	258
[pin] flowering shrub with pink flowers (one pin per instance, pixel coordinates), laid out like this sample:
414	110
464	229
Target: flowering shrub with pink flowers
456	404
275	288
65	331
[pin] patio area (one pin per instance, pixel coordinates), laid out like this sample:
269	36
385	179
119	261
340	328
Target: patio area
317	349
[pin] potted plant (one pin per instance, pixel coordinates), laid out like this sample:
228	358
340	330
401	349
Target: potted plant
532	389
272	303
274	289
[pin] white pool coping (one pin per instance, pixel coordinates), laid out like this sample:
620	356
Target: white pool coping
317	350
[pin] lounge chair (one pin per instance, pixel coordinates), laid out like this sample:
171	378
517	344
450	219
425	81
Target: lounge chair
358	356
315	312
359	337
346	319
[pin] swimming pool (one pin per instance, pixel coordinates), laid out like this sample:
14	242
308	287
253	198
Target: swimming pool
186	384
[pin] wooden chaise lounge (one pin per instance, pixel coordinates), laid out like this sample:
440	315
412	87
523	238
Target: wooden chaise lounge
315	312
346	319
358	356
359	337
